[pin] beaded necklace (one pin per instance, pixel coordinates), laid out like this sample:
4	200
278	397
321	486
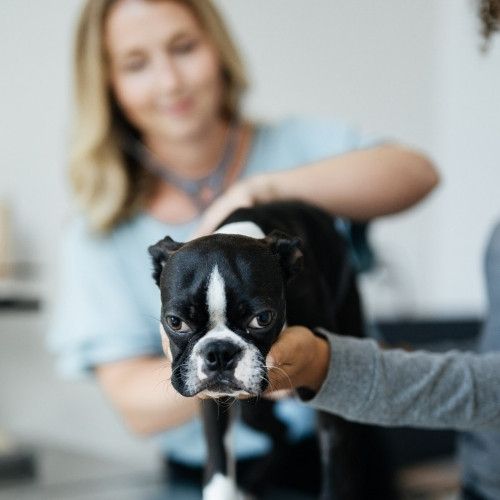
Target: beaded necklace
202	190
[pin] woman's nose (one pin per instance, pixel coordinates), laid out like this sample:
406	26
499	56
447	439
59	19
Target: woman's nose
167	75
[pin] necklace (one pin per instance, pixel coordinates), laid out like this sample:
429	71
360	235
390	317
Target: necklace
202	190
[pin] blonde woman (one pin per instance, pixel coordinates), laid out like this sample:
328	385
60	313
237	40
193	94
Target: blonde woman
158	137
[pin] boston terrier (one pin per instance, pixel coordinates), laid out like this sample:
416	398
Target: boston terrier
225	299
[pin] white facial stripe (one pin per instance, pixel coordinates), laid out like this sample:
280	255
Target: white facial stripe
216	299
247	228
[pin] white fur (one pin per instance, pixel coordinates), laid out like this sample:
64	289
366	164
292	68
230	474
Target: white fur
234	394
245	369
220	488
216	299
199	372
224	487
165	343
249	369
229	447
246	228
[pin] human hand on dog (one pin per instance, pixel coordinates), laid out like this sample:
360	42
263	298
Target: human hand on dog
298	359
244	193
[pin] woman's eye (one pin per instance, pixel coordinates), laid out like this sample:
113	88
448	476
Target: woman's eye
184	47
261	320
177	324
133	65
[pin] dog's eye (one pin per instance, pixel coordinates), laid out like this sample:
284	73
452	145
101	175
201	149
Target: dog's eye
261	320
177	324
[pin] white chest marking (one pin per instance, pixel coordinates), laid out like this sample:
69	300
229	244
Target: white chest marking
216	299
245	228
220	487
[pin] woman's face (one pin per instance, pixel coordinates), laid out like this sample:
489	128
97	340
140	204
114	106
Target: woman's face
164	71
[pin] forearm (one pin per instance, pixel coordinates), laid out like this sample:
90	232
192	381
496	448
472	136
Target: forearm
359	185
141	390
394	387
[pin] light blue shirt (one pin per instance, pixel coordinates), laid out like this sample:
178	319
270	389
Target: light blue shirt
109	305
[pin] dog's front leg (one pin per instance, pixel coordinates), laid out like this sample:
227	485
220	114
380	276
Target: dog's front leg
339	481
220	474
354	462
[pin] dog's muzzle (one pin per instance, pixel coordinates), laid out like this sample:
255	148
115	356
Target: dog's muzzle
223	364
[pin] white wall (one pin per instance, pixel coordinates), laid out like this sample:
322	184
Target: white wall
468	153
372	64
398	68
34	94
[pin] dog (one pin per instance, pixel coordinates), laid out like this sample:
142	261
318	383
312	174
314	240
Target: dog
225	299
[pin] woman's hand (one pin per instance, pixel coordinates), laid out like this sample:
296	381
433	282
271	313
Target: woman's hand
244	193
298	359
360	185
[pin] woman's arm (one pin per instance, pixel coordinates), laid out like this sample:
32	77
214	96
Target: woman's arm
356	379
360	185
140	389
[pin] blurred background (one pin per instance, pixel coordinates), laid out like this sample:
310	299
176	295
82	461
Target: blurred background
410	71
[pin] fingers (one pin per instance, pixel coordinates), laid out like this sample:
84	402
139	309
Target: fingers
237	196
288	346
298	358
244	193
281	362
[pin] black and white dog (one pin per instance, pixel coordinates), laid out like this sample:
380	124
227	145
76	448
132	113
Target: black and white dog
225	299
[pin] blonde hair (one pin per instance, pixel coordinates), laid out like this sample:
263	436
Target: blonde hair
110	186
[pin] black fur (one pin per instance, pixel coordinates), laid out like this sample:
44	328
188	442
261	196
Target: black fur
320	291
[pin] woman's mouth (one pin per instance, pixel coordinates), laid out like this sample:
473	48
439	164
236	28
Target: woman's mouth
178	108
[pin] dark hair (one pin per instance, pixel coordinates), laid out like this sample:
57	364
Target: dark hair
489	15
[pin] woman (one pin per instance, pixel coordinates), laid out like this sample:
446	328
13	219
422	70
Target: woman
159	136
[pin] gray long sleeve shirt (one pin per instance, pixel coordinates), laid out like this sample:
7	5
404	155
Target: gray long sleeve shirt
393	387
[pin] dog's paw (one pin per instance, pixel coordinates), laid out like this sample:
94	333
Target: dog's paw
220	488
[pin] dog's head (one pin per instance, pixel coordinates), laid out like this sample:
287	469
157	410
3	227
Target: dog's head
223	305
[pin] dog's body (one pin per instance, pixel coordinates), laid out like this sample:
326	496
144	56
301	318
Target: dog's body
225	299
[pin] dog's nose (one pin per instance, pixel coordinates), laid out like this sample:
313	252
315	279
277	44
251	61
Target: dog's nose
221	356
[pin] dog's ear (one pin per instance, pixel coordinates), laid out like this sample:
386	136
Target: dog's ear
160	252
288	249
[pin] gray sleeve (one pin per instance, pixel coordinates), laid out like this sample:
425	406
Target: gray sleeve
420	389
